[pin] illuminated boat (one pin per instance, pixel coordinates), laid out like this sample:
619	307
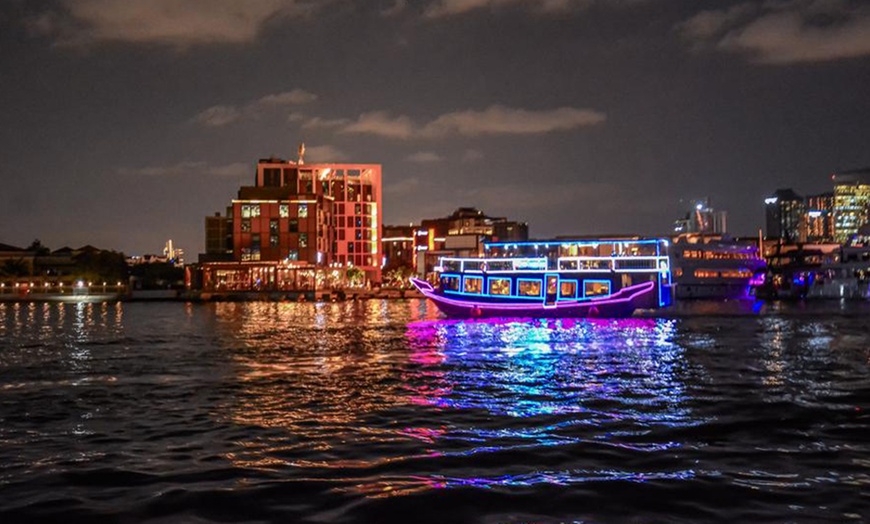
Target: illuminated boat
564	278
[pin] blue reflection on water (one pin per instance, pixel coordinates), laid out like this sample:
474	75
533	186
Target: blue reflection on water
607	384
531	368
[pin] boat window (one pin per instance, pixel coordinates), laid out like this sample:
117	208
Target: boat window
529	288
500	265
633	263
596	288
567	264
450	283
499	286
474	285
473	265
451	265
568	289
595	264
552	282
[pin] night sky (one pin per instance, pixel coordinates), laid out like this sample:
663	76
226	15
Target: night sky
123	124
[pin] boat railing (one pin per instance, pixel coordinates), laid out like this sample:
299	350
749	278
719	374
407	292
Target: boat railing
619	264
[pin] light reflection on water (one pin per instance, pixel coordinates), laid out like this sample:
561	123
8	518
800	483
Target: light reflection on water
471	388
355	404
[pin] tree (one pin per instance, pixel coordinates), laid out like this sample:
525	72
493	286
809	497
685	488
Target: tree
397	277
14	267
37	247
355	276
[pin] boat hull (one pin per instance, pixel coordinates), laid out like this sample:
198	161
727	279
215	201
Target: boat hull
619	305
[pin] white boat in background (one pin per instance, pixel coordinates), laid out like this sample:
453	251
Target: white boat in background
847	277
715	267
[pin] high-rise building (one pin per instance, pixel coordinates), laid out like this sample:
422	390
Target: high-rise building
785	216
851	204
702	218
297	215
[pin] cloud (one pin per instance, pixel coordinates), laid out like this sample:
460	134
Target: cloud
709	24
785	32
189	168
505	120
221	115
178	23
472	155
441	8
323	123
494	120
424	157
382	124
324	153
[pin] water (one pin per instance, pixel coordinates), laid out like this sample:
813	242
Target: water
381	411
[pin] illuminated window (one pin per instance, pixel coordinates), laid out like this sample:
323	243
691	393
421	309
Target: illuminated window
250	210
450	283
474	285
284	210
499	286
529	288
568	288
303	210
596	288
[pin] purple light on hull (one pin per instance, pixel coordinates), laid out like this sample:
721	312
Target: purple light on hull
620	304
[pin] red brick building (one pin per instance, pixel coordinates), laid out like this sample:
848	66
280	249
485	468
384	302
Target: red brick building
297	216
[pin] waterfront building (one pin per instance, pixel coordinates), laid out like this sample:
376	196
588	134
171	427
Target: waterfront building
472	221
296	217
851	204
16	261
820	217
785	213
398	244
463	233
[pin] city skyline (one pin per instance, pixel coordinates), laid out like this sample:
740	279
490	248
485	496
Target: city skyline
126	125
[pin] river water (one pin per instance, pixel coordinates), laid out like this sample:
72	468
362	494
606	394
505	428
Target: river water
382	411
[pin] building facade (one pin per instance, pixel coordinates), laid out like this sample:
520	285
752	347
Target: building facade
702	219
785	213
297	216
820	217
851	204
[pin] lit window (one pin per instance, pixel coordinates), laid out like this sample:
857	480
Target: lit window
568	289
596	288
450	283
499	286
529	288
